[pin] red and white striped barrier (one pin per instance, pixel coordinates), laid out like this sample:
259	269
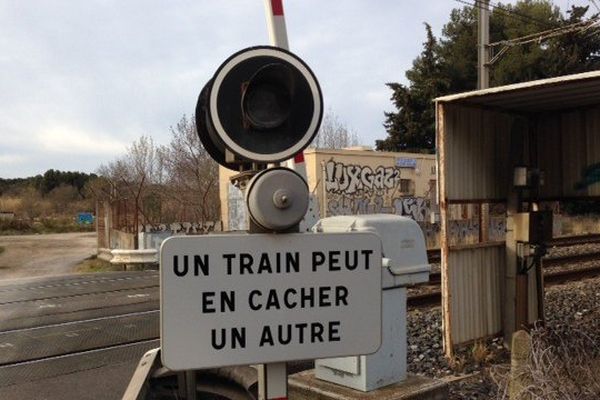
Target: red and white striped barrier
276	23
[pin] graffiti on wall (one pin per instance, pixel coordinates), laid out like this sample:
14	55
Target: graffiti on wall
237	213
416	208
184	227
352	179
463	231
431	233
497	229
359	189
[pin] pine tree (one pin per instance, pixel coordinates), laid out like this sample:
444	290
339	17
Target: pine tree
450	64
412	127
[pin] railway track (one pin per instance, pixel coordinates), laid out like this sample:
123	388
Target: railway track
573	240
434	256
435	277
550	278
555	278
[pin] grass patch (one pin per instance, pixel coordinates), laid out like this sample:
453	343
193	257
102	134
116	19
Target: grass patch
94	264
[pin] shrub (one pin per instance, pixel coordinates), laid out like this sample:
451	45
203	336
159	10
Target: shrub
564	364
15	226
61	225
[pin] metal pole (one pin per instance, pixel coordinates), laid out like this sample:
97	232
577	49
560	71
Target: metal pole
483	41
276	23
278	38
272	378
190	385
272	381
324	188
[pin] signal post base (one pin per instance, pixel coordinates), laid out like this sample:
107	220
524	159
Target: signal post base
305	386
272	381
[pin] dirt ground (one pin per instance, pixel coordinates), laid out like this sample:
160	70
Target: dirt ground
27	256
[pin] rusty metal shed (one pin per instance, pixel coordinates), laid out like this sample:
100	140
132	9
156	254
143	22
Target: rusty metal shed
552	124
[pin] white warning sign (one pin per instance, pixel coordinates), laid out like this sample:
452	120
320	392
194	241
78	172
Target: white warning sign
249	299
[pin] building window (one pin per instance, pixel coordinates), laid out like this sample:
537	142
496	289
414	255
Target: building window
433	170
407	186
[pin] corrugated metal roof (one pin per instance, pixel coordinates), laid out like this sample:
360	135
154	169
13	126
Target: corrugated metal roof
563	92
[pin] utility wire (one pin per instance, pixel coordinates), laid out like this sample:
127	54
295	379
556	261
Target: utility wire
581	26
508	13
539	22
578	27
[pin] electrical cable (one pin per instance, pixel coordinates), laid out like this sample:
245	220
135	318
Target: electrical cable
581	26
577	27
508	13
539	22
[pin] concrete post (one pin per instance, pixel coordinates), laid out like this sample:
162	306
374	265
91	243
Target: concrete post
519	375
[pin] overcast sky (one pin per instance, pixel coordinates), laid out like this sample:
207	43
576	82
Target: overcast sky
80	80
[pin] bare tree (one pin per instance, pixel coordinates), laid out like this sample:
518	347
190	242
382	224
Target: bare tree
176	182
192	174
334	134
136	175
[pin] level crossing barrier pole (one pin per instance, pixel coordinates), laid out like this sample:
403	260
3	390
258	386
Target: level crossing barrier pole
272	378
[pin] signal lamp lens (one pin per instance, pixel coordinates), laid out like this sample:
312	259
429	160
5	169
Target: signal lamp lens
267	99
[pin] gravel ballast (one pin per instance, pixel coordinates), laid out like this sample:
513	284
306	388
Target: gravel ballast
573	303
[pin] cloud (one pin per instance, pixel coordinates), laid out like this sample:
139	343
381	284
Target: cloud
89	77
65	140
12	159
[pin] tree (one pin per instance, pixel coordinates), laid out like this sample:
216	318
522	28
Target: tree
412	127
334	134
31	205
63	198
528	61
450	64
173	183
136	175
575	52
193	176
55	178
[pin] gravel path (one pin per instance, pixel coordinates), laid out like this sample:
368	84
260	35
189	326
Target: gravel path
42	255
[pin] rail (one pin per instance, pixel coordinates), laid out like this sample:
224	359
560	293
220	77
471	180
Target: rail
550	278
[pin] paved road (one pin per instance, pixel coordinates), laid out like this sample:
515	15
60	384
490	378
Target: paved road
44	255
75	337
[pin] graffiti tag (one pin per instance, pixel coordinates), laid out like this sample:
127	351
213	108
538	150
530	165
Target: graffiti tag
350	179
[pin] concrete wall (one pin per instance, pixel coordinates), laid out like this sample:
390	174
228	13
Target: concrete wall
7	215
121	240
353	182
367	182
152	236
